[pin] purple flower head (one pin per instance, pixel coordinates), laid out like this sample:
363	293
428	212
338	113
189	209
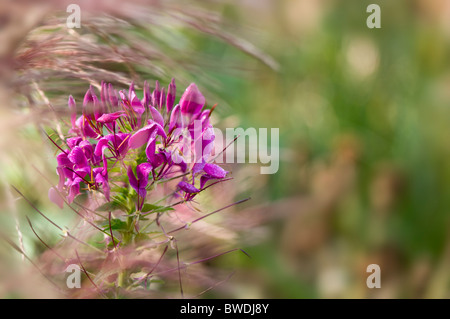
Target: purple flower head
121	128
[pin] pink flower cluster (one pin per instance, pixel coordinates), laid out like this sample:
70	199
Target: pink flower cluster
144	140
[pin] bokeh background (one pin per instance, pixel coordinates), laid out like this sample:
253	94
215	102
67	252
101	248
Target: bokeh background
363	114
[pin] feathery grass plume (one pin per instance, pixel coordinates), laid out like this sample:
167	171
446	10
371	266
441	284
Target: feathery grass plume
118	41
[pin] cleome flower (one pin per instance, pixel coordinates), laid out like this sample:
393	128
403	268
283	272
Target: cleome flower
143	158
121	138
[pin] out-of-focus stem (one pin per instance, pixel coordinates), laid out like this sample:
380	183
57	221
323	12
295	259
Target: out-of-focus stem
127	238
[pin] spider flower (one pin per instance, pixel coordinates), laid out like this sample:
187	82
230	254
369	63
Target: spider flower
121	138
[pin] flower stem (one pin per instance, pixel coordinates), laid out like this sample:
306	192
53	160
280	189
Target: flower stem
127	238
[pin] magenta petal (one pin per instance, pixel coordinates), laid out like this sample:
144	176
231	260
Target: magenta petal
73	141
73	111
63	160
65	166
188	188
157	117
84	126
62	177
214	171
119	142
132	178
156	96
88	97
141	137
103	180
159	130
74	189
139	184
112	94
136	104
176	120
123	97
150	149
103	92
171	92
77	157
131	90
87	148
55	197
96	171
147	99
91	104
205	178
111	117
192	100
101	146
106	190
198	167
208	138
162	101
82	170
178	160
154	159
142	172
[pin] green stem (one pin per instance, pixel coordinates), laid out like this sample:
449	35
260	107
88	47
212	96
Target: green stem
127	237
121	279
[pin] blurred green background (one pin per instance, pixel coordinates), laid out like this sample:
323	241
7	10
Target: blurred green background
363	117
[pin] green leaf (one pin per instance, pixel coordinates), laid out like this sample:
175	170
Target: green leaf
116	224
